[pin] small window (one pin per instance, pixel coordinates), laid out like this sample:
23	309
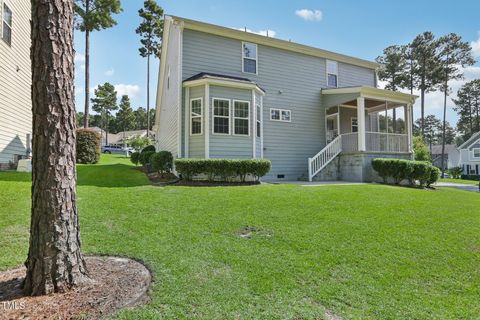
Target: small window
354	123
332	74
280	115
221	116
476	153
196	116
241	123
7	25
259	121
249	57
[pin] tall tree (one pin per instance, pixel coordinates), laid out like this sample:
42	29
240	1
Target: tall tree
140	118
464	106
125	116
432	129
150	31
93	15
454	55
423	50
104	103
54	262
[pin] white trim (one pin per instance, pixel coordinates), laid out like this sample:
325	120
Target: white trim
327	73
207	120
187	122
179	77
256	58
280	110
261	127
254	127
374	94
229	83
2	4
361	124
473	154
229	117
234	117
201	117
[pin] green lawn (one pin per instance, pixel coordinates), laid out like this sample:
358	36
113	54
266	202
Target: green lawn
362	251
462	181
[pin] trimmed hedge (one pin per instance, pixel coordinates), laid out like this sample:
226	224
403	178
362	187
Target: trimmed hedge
144	157
413	171
135	158
162	161
88	146
222	169
149	148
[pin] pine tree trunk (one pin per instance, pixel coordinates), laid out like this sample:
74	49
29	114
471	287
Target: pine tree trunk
148	96
54	262
87	71
422	101
444	122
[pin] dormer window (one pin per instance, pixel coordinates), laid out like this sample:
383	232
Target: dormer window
7	25
249	57
332	74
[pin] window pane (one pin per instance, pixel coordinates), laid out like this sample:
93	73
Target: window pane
332	80
220	108
258	129
476	153
196	108
7	15
196	125
275	114
285	115
220	125
241	126
249	50
249	65
241	109
7	34
259	116
332	67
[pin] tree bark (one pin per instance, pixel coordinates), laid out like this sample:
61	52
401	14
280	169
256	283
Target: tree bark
148	95
87	71
444	122
54	262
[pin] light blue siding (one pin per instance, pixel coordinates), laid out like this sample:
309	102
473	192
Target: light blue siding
291	80
197	142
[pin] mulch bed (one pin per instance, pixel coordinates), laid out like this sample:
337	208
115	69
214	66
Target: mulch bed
117	283
214	183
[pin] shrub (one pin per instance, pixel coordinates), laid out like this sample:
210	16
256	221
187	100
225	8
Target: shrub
162	161
149	148
135	158
222	169
144	157
88	146
455	172
138	143
399	170
420	149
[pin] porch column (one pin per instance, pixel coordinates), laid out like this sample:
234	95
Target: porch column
408	125
361	123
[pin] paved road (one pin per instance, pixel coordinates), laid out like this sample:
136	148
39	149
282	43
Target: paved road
460	186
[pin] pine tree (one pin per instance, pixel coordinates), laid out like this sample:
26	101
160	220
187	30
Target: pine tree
125	117
93	15
140	119
104	103
150	30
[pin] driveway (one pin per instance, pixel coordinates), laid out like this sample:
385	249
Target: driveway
460	186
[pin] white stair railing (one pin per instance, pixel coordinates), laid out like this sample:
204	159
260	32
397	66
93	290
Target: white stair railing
324	157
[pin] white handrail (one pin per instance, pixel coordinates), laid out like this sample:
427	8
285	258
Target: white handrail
324	157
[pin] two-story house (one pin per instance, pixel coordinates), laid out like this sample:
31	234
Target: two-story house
15	81
316	114
470	156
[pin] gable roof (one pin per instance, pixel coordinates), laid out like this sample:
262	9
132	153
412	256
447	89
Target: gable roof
272	42
473	138
437	149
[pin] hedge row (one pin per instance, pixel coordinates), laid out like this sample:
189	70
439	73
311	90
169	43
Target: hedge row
88	146
222	169
413	171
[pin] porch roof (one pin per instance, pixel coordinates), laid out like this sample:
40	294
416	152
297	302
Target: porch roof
374	97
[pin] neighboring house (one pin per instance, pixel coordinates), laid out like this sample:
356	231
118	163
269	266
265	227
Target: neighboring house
470	155
15	82
451	158
121	138
225	93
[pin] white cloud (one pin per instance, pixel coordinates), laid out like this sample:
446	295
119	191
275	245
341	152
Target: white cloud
79	57
268	32
309	15
476	46
131	90
109	72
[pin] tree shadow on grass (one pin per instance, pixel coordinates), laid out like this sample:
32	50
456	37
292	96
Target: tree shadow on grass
106	176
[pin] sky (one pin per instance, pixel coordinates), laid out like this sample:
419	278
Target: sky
357	28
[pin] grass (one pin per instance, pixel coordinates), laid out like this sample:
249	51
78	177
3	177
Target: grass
462	181
361	251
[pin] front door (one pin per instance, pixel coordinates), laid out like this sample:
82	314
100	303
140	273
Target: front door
332	127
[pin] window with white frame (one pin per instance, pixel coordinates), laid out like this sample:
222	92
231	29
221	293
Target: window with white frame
196	116
241	123
259	121
249	57
332	73
7	24
280	115
476	152
221	116
354	124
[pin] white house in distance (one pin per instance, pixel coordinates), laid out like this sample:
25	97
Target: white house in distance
470	156
15	81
